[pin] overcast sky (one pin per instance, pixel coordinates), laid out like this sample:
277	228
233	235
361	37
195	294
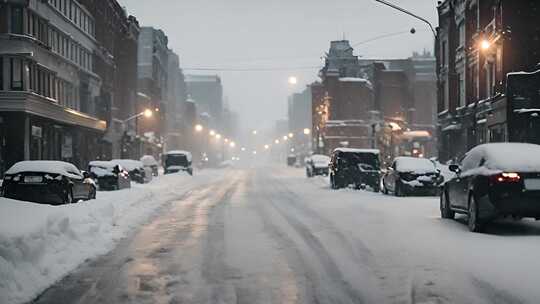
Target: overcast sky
286	34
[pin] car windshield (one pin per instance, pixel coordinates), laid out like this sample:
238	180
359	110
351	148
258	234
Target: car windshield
362	161
176	160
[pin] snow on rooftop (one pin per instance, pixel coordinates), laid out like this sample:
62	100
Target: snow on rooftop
45	166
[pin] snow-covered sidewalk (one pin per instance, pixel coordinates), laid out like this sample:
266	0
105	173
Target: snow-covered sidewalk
39	244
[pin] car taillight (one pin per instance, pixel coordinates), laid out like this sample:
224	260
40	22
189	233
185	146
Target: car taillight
506	177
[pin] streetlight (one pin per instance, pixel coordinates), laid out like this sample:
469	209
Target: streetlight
199	128
226	140
243	149
232	144
291	135
148	113
307	131
285	137
218	136
254	132
293	80
276	141
266	147
409	13
485	44
212	133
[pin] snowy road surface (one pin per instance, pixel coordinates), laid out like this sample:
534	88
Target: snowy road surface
270	235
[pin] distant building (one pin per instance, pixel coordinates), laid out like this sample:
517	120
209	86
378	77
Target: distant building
207	92
152	86
347	101
176	97
50	101
299	114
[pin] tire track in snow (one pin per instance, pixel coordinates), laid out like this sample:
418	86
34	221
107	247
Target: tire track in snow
330	286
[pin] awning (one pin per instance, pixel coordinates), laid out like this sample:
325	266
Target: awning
452	127
36	105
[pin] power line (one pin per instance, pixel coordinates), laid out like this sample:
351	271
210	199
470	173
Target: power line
257	69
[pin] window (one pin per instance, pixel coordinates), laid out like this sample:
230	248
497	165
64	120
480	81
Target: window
17	20
1	73
443	54
16	72
461	33
461	90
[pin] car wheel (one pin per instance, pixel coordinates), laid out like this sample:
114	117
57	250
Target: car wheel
446	211
473	221
397	190
69	197
92	194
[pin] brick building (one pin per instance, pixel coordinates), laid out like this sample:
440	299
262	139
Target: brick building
480	43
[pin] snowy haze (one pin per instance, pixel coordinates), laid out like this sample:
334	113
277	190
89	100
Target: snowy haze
278	34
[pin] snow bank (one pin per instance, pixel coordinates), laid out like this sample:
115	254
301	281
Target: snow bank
415	165
39	244
48	166
149	160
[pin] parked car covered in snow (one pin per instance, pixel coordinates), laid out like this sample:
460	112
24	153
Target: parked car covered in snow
357	167
109	176
137	171
494	180
47	182
317	164
150	162
176	161
411	175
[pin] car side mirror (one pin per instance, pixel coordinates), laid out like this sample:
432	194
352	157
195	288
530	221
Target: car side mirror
455	168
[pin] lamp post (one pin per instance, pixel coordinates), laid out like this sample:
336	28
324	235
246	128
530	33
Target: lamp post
146	113
384	2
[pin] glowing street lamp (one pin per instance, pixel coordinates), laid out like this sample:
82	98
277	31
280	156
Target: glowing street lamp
212	133
266	147
254	132
254	152
276	141
226	140
218	136
243	149
148	113
485	45
232	144
307	131
199	128
291	135
285	137
293	80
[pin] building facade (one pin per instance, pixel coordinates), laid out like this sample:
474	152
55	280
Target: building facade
116	63
152	92
49	90
480	46
207	92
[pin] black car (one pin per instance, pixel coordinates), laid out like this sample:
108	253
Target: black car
317	164
411	175
109	176
137	171
176	161
494	180
357	167
47	182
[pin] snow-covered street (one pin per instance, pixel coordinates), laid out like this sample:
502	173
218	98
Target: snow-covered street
263	235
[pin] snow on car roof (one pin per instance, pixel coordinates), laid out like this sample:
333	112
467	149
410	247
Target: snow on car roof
508	156
102	163
414	164
353	150
149	160
45	166
319	158
128	164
